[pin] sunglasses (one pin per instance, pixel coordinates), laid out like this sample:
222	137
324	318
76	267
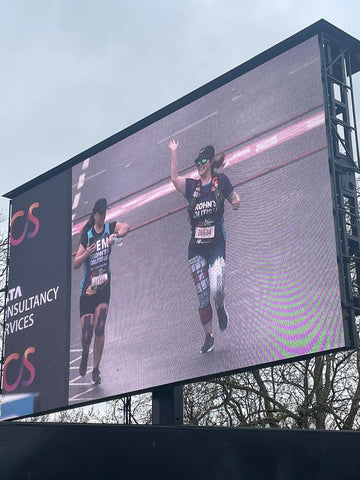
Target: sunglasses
201	162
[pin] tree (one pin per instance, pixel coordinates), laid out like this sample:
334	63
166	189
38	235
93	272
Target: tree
113	412
317	393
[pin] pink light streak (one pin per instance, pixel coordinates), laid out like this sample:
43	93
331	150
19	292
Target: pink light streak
271	141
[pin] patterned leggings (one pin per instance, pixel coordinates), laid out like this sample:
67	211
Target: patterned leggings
209	278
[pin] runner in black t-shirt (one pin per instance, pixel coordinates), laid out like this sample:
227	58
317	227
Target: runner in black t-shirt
206	251
94	251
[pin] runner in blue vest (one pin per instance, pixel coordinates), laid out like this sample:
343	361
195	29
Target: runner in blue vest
94	251
206	252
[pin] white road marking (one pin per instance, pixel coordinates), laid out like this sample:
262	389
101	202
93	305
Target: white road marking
86	399
95	175
78	384
85	163
81	181
187	128
80	377
82	393
76	201
307	64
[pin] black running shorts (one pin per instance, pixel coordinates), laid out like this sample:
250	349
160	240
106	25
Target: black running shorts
88	303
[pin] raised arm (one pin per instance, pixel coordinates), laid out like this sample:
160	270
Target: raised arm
178	181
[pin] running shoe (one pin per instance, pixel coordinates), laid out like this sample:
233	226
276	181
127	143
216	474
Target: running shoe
208	344
83	363
96	379
223	317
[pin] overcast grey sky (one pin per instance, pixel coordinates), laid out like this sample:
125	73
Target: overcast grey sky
74	72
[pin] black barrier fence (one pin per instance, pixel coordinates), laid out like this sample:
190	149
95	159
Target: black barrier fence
75	451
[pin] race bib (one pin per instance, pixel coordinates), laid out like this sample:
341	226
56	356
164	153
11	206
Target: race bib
99	280
205	233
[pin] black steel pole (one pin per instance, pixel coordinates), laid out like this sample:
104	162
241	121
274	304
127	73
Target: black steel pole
167	406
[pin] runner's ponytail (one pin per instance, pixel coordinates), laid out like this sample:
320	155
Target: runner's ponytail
89	224
216	164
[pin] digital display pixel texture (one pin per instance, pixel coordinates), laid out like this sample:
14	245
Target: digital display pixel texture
282	286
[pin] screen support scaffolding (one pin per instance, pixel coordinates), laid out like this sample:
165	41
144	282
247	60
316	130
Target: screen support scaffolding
127	410
344	168
167	405
4	292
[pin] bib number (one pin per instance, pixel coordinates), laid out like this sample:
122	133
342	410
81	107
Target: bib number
205	233
99	280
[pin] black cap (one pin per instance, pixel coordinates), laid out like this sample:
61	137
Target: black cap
207	152
100	206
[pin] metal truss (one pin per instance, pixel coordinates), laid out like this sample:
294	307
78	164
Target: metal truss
344	168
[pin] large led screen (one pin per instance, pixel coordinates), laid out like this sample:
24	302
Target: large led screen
136	314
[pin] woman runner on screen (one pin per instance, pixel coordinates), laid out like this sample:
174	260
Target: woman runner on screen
206	251
94	251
